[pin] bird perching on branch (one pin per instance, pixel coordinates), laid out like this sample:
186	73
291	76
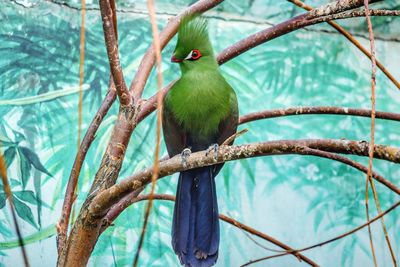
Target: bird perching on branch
200	112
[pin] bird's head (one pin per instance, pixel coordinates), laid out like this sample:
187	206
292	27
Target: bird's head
193	46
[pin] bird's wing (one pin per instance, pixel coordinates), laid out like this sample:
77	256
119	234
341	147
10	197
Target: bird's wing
229	124
174	135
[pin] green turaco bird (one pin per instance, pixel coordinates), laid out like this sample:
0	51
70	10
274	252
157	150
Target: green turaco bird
200	112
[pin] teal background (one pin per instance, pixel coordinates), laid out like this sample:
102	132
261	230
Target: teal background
298	200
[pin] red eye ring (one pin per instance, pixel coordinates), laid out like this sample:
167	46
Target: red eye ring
195	54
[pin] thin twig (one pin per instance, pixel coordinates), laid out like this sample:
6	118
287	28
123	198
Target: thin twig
329	240
157	48
352	40
231	138
235	223
7	190
371	149
372	140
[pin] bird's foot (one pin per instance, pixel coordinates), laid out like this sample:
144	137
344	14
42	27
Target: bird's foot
184	156
213	148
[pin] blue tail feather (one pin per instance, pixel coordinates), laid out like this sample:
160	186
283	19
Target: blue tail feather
195	227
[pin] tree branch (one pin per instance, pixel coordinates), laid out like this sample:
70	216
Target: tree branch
267	114
354	14
110	217
280	29
336	7
372	138
371	148
104	200
352	40
62	225
113	54
329	240
126	201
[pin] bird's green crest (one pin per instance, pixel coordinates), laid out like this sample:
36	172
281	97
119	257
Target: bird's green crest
193	34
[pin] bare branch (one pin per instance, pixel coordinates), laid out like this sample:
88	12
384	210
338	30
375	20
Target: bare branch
62	225
267	114
104	200
131	197
371	148
280	29
354	14
352	40
372	140
329	240
336	7
113	54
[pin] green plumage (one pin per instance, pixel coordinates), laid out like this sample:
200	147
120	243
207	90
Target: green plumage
201	98
200	110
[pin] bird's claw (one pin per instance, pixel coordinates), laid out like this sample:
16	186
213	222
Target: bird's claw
213	148
184	155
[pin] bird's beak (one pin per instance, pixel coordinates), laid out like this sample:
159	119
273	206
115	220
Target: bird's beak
175	60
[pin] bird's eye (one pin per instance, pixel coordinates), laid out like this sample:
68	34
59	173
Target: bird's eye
196	54
193	55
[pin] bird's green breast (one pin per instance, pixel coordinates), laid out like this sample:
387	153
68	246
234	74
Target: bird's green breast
199	101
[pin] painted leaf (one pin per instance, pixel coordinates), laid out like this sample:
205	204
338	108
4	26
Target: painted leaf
34	160
2	200
24	212
25	169
9	155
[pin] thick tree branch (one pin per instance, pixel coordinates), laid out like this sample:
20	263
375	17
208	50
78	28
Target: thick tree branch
352	40
329	240
127	200
103	201
113	54
112	216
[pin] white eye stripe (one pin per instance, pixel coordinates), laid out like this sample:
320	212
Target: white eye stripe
189	56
